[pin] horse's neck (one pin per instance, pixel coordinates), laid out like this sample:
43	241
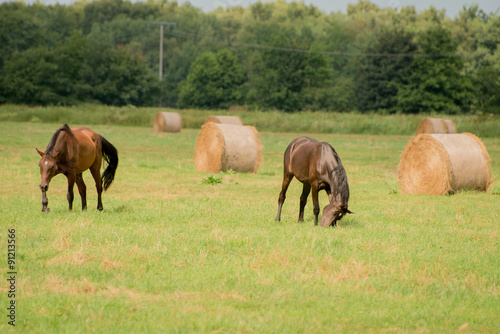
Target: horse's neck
66	145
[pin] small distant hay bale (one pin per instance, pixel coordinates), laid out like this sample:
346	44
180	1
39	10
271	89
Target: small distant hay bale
436	125
224	120
167	122
440	164
238	108
221	147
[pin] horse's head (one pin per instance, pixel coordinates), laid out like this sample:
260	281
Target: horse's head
48	168
333	212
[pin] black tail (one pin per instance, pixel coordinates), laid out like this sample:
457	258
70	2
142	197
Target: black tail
110	155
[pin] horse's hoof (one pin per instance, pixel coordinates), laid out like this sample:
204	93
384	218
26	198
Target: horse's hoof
46	210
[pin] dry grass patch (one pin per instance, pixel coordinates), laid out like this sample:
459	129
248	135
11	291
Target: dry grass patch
76	258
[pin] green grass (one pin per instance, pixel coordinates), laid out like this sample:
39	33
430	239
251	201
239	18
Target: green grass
171	254
272	121
213	180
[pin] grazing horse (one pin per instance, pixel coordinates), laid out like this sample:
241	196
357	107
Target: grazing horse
71	152
318	167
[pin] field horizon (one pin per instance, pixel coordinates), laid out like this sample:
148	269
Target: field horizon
482	125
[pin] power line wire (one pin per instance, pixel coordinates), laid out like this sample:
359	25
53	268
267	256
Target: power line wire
328	53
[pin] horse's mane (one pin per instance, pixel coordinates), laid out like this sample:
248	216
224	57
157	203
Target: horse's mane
53	140
342	186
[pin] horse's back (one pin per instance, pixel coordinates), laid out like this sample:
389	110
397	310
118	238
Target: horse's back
307	158
300	157
308	149
302	146
88	147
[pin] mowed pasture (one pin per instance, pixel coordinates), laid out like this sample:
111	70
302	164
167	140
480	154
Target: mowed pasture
171	253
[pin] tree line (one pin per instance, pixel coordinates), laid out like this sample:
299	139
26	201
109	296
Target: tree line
267	56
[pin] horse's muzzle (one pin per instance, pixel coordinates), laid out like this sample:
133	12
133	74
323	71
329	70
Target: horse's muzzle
45	187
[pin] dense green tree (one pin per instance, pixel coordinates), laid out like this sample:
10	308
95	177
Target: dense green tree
30	78
23	27
435	83
99	12
479	34
116	76
291	55
79	71
384	69
214	81
278	72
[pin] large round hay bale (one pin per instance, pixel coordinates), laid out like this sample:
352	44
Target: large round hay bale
436	125
221	147
167	122
440	164
224	120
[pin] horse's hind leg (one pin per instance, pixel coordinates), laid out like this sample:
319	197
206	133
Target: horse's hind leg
287	178
82	189
95	170
303	200
71	183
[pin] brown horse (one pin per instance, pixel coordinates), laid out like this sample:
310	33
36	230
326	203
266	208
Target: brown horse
318	167
71	152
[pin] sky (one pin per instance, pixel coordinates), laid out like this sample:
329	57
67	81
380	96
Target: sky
451	7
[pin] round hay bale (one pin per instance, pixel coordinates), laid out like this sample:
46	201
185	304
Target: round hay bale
440	164
224	120
167	122
436	125
221	147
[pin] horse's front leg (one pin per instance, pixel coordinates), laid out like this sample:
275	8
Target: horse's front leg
71	183
315	190
82	189
45	201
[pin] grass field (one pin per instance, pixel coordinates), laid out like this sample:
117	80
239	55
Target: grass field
170	253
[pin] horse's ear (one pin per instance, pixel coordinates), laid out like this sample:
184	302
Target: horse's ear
41	153
55	154
345	209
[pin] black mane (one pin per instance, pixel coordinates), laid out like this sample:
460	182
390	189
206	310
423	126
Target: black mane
53	140
342	186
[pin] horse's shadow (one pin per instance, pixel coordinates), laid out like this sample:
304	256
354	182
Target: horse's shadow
350	223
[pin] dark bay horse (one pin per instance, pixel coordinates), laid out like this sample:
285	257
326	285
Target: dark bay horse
318	167
71	152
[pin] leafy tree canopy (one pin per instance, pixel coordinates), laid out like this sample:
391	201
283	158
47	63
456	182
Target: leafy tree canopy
272	55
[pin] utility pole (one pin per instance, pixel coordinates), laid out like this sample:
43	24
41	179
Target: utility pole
160	70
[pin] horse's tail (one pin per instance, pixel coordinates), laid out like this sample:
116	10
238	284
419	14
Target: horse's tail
110	155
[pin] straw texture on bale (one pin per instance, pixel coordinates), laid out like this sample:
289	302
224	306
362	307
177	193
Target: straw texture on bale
436	125
221	147
167	122
224	120
440	164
